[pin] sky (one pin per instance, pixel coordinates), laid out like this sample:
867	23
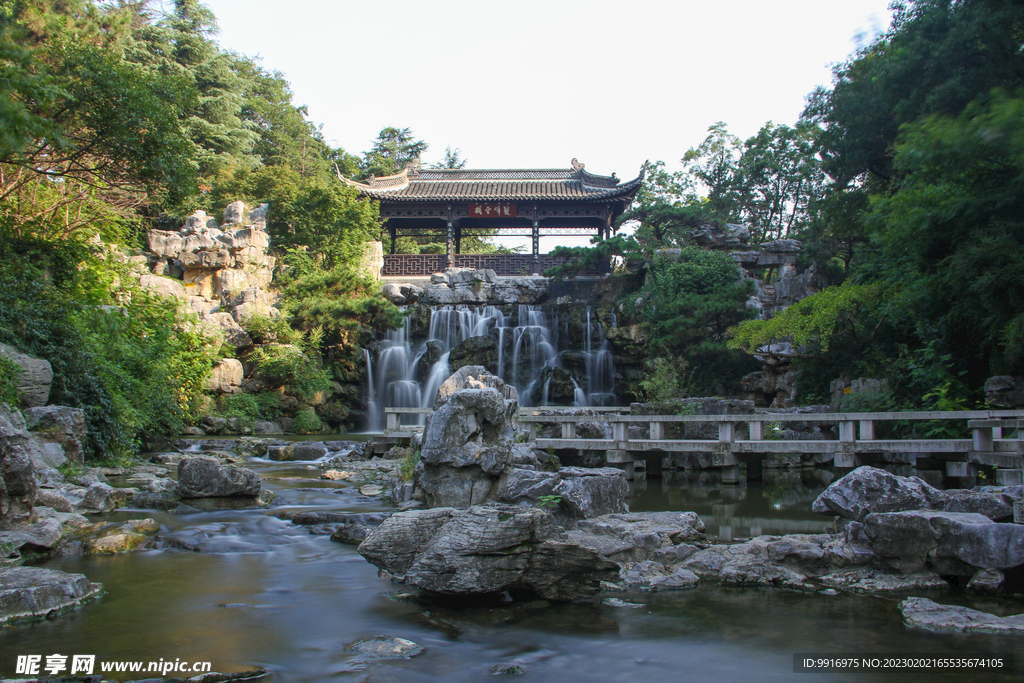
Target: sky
536	83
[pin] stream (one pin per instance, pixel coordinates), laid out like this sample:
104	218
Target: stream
262	592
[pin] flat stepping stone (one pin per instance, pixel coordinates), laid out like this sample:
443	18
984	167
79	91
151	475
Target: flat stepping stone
35	593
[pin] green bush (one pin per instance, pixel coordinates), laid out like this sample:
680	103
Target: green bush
288	366
131	367
665	379
306	421
408	465
266	330
9	372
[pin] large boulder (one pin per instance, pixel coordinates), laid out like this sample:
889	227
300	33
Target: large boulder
163	286
868	489
226	376
204	477
665	537
949	543
34	378
486	549
932	616
579	492
59	425
472	377
402	294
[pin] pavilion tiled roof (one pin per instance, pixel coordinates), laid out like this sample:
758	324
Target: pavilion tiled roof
413	184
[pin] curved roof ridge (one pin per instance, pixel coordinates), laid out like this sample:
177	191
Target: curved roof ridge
574	183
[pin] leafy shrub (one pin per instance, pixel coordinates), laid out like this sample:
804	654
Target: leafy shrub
132	368
665	379
239	405
281	365
306	421
9	372
407	467
266	330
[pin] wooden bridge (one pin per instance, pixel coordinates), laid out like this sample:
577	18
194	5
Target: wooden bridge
988	448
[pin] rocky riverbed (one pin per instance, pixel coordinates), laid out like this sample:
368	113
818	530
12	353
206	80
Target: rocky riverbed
230	539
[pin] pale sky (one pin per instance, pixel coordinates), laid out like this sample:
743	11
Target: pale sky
532	84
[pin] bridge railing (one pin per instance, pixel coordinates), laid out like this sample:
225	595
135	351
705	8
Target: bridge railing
988	445
987	426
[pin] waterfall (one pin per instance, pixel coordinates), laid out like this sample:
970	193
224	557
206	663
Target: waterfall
526	341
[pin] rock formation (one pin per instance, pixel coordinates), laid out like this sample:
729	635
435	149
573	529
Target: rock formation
911	527
467	441
469	286
34	378
486	549
221	272
31	592
208	478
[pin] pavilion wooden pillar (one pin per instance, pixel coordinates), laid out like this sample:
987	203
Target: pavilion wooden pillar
393	231
458	238
536	243
451	238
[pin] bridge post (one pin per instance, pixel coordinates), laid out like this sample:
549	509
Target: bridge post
846	434
393	420
757	431
844	459
620	433
1009	477
726	432
657	431
983	439
568	430
867	430
959	469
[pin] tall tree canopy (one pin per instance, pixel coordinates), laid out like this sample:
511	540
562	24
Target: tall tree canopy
921	134
391	151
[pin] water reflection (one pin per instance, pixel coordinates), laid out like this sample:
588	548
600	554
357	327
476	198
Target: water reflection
780	504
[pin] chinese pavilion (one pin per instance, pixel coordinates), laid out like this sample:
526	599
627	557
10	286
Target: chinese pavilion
464	203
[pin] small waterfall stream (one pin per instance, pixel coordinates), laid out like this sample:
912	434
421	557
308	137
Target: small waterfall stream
527	343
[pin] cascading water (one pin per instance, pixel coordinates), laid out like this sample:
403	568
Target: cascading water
600	366
526	342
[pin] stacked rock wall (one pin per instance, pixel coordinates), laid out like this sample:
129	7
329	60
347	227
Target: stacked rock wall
223	272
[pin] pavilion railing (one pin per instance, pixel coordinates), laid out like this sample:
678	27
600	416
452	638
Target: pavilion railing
506	265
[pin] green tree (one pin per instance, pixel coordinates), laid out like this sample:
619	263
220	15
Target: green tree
714	164
452	159
91	137
951	231
391	151
215	124
778	180
937	56
686	306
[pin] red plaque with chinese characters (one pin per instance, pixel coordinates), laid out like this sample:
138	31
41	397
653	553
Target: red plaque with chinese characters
498	210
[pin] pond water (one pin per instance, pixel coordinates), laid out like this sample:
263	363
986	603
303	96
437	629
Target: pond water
262	592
